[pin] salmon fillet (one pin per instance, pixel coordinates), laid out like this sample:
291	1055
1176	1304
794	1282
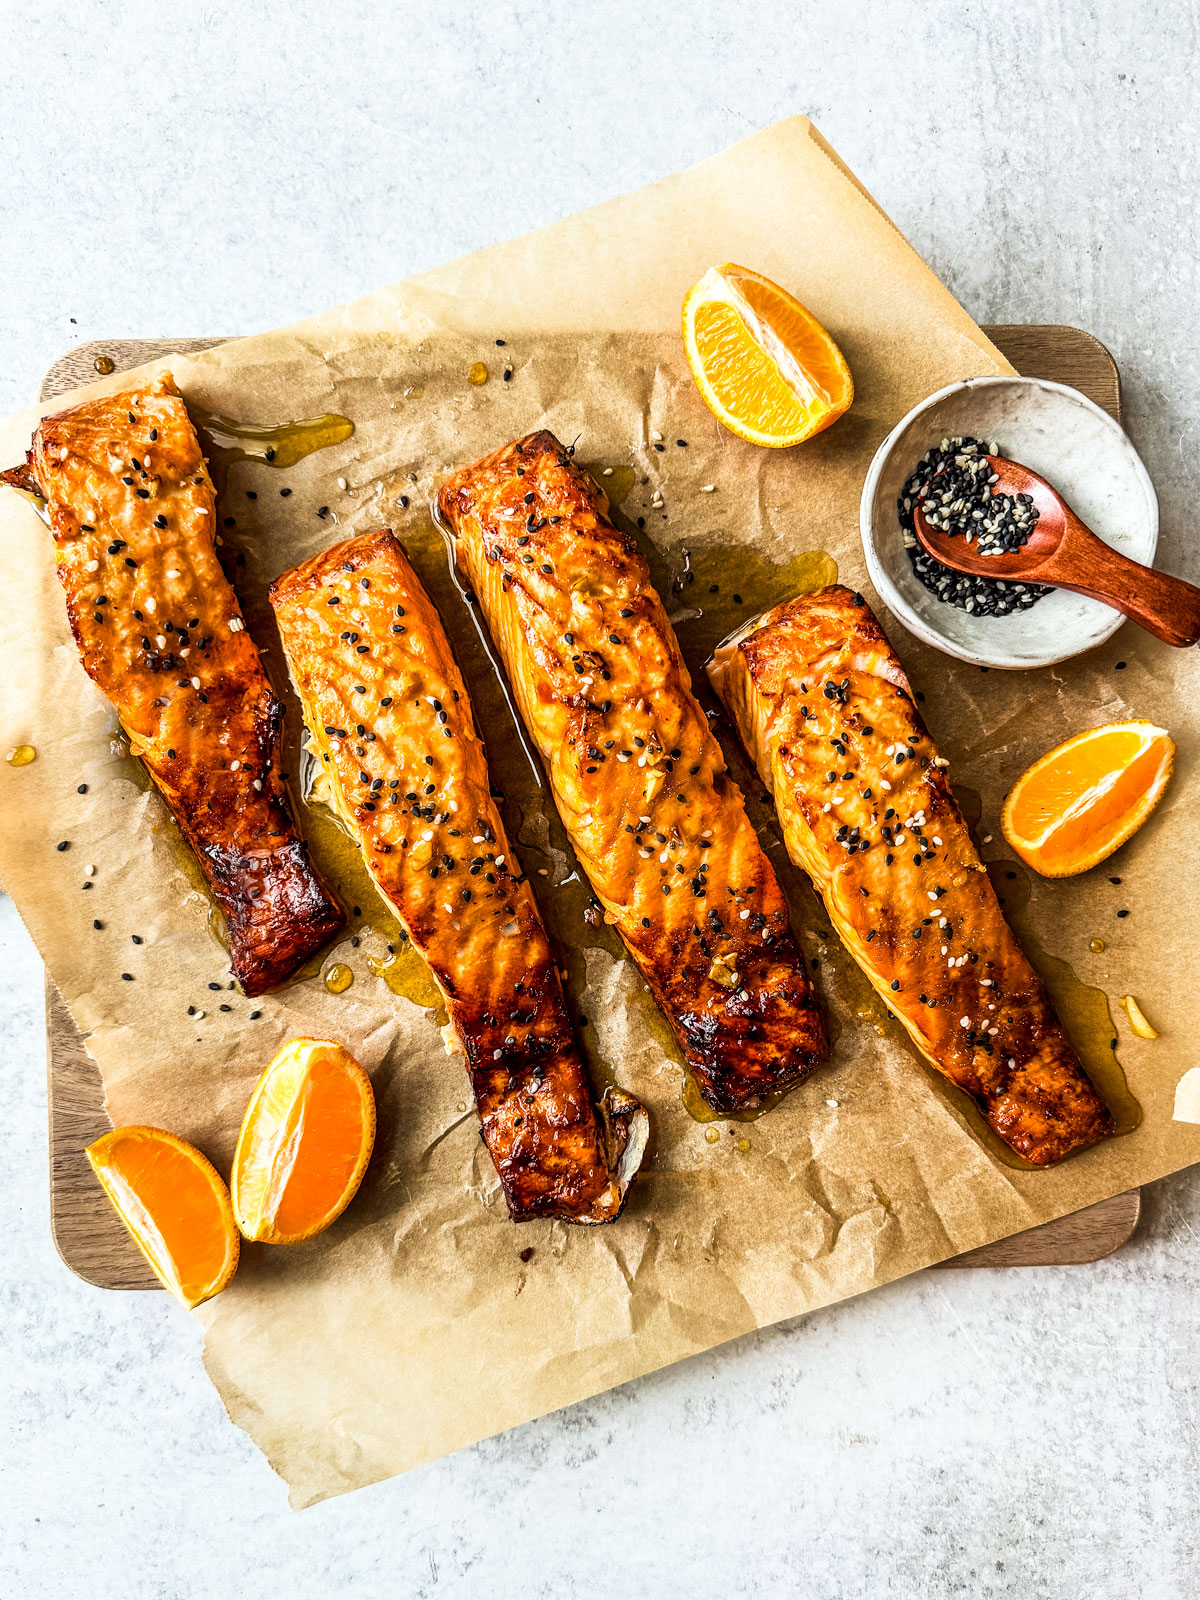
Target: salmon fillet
826	712
132	512
391	724
639	781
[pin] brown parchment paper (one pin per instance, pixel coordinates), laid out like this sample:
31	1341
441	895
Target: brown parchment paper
413	1326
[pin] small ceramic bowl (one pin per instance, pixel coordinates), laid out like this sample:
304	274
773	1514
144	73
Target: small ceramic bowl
1065	438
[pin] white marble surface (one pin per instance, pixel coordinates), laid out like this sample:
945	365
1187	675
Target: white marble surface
192	168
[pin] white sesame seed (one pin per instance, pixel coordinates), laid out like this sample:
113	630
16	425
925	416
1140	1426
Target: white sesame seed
236	624
151	605
92	566
708	488
342	484
195	683
607	473
172	572
196	1015
964	1022
654	434
833	1104
234	765
258	783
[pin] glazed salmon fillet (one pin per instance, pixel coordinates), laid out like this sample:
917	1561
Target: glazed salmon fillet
826	712
639	781
391	724
132	511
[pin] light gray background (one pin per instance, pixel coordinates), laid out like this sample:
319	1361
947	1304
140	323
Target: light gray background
186	169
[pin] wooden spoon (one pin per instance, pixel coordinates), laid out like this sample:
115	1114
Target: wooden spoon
1064	552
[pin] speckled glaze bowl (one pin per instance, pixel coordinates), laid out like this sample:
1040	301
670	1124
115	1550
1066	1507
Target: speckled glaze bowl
1066	439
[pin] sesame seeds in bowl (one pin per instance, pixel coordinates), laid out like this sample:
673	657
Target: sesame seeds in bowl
952	484
936	451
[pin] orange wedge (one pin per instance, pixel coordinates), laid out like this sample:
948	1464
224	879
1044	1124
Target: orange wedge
176	1206
1080	802
305	1142
766	367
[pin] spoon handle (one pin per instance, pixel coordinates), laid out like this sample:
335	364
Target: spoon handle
1167	607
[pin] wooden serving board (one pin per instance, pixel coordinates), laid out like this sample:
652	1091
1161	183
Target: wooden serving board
87	1233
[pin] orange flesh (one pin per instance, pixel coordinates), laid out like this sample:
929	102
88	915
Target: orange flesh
321	1153
171	1207
775	383
1100	783
744	379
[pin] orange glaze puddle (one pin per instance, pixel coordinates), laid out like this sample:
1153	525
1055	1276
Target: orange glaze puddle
225	442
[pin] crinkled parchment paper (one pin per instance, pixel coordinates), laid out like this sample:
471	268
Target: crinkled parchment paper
414	1326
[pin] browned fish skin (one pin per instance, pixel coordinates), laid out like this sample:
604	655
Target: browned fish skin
133	513
825	709
393	727
640	782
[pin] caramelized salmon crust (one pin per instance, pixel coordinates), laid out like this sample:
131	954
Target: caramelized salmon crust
132	511
391	724
639	781
825	710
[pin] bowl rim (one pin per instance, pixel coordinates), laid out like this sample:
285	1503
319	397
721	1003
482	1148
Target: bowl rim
887	589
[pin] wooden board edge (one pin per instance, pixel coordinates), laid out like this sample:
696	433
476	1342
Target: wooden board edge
1068	1241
